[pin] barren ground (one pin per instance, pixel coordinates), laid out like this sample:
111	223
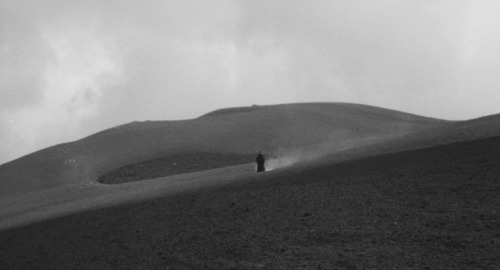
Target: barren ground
172	165
437	208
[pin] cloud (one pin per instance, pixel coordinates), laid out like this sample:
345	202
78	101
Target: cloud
81	67
23	57
72	68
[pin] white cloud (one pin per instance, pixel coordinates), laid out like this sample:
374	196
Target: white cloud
81	69
71	68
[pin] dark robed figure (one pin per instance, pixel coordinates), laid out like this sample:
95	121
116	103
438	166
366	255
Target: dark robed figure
260	162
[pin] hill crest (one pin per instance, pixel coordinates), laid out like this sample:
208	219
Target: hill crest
285	128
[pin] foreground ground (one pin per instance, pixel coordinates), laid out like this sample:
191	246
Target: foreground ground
437	208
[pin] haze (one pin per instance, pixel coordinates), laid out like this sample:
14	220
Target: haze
71	68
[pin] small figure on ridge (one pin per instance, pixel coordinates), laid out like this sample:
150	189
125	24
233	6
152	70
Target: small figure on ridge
260	162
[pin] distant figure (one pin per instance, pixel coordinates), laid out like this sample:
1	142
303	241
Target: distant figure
260	162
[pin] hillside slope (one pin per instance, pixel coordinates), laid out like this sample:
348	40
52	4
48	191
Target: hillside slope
434	208
460	131
330	127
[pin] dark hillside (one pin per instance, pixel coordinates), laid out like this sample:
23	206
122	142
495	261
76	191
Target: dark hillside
330	127
434	208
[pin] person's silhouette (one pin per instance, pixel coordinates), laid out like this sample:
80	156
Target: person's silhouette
260	162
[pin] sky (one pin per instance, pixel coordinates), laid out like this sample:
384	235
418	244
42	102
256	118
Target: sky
69	69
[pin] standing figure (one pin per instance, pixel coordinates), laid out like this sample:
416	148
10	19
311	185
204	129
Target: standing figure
260	162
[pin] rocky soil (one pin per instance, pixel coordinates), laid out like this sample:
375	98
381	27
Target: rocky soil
437	208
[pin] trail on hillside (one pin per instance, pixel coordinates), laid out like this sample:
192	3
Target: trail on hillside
172	165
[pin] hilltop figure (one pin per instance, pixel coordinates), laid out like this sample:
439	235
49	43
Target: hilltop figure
260	162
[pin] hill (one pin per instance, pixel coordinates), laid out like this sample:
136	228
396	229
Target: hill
459	131
318	128
370	188
421	209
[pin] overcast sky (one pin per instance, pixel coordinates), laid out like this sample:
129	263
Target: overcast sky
71	68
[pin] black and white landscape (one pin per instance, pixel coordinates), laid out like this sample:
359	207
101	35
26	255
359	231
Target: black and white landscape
350	186
129	132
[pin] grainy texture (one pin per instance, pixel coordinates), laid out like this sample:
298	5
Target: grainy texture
171	165
437	208
288	127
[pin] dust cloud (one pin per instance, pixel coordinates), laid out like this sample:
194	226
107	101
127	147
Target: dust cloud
283	158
